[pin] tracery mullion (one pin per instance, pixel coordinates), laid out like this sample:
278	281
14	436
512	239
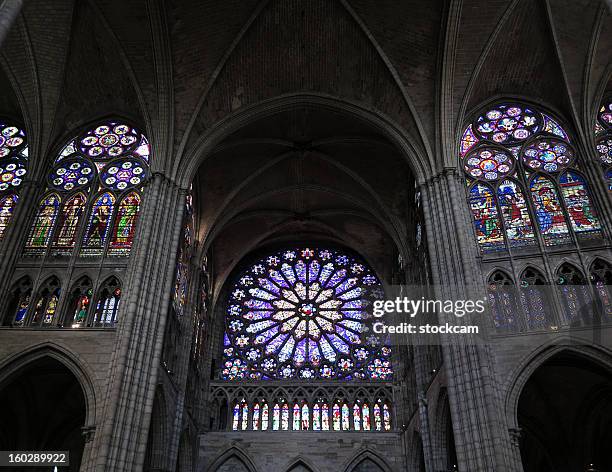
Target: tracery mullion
522	322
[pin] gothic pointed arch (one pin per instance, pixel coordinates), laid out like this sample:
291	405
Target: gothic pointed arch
300	464
575	294
79	301
601	277
367	461
233	460
19	302
44	312
502	300
108	300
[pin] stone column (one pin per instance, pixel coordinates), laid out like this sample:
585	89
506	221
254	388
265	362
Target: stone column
482	440
9	9
124	428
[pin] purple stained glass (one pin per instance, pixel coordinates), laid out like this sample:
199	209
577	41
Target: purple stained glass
124	173
109	140
12	172
604	149
548	154
508	124
489	163
605	114
13	142
299	314
71	174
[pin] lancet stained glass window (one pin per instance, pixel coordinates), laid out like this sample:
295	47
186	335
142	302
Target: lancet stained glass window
520	164
107	164
7	206
302	313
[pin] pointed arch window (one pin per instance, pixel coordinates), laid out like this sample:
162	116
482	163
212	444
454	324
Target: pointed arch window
125	225
79	302
105	164
107	306
13	168
45	307
41	231
7	206
21	295
520	166
574	295
70	216
601	276
535	299
98	224
603	140
502	301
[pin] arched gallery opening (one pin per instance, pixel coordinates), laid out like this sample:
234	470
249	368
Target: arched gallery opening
43	408
565	416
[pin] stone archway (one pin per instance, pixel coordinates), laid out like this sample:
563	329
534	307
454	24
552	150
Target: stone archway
565	415
43	407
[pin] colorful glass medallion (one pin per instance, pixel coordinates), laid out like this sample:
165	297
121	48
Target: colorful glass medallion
123	174
548	154
12	172
71	174
12	141
109	140
604	149
489	163
508	124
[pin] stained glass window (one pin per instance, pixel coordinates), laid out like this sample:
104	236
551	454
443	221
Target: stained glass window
245	415
386	417
264	417
43	224
549	213
517	221
275	417
181	278
574	295
502	301
601	275
346	424
98	224
357	416
603	140
486	218
65	236
102	164
534	299
517	150
336	417
46	304
378	423
18	308
576	198
305	417
325	417
125	224
7	206
316	417
285	417
236	417
108	303
256	412
13	156
302	313
366	417
296	417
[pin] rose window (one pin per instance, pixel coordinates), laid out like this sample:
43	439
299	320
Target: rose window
304	313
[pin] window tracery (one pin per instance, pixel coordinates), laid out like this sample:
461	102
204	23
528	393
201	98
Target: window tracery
13	169
603	139
520	166
94	170
302	313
